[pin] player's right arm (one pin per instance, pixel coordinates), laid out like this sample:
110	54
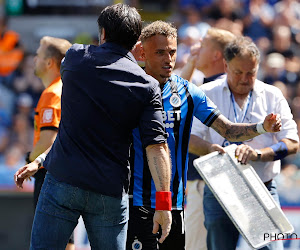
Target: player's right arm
245	131
160	167
154	140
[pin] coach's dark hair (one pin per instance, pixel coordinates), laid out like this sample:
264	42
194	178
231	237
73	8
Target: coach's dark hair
122	25
239	47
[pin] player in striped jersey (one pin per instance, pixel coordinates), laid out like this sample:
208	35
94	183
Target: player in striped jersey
181	101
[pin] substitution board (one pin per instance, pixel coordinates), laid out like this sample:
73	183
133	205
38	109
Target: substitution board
243	196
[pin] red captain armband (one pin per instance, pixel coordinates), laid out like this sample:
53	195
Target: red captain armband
163	200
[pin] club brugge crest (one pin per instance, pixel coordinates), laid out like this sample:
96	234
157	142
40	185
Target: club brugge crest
175	100
137	245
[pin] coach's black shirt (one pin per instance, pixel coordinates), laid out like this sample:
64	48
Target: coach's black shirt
105	96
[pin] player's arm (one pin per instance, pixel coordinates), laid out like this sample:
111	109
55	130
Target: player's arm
154	140
47	138
245	131
160	167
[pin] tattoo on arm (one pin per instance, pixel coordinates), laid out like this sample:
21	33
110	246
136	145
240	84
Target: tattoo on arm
234	131
159	165
157	169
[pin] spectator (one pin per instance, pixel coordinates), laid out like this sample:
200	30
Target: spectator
229	9
21	132
26	81
287	13
5	123
12	159
274	68
193	19
11	52
259	19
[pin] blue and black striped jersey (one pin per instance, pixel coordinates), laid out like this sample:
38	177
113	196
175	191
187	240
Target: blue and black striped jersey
178	119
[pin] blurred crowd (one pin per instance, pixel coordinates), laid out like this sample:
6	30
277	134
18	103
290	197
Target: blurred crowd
273	25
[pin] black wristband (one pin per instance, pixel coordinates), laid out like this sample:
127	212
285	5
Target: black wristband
27	158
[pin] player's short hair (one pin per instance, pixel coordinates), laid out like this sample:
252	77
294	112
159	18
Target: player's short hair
122	24
158	28
220	38
55	47
241	47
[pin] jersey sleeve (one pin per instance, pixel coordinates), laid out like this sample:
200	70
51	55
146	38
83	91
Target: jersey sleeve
204	109
151	123
50	113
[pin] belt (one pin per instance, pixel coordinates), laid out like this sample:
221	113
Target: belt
268	182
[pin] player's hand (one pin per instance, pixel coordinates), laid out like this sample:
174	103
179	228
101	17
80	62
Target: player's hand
164	219
25	172
245	153
272	123
216	147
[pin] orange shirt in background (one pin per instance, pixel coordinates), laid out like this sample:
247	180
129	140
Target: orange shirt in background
48	109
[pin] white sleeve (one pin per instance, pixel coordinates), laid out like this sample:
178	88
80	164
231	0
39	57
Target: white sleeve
198	128
289	126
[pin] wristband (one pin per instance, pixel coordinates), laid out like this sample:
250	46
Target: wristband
27	158
163	200
260	128
40	159
280	149
258	154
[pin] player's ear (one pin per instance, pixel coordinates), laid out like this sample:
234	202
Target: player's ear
136	51
143	56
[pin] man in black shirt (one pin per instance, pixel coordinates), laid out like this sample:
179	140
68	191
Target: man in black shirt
105	96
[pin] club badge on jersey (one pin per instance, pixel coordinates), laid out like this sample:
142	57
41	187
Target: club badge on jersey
137	245
175	100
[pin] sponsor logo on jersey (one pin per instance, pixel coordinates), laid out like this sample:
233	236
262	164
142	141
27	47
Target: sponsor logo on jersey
170	116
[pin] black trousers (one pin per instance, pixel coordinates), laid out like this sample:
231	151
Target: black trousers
140	225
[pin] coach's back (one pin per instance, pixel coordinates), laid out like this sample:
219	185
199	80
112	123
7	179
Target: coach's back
108	95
